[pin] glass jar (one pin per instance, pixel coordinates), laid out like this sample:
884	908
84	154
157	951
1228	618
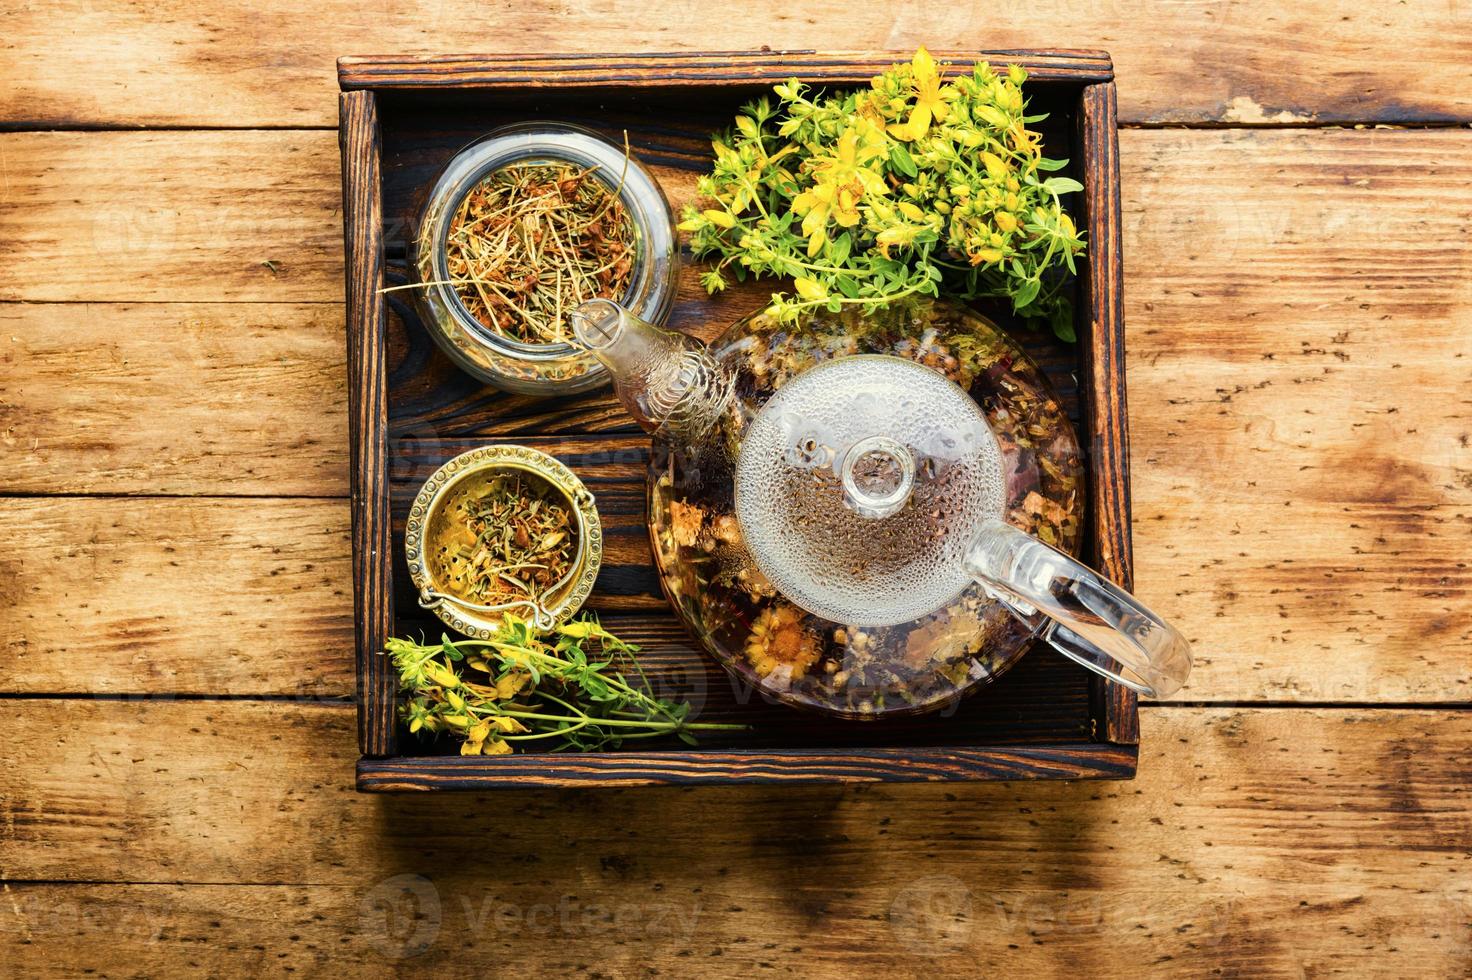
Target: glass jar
498	360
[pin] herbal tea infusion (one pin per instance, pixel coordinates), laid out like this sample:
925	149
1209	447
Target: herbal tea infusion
706	545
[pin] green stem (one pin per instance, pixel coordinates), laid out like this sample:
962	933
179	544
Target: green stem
562	668
663	726
878	300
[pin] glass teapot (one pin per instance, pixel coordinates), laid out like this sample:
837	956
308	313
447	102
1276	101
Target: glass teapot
870	515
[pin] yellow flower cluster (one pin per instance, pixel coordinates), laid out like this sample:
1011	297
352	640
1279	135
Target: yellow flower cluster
916	184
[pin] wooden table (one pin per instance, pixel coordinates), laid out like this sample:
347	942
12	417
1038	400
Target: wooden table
176	794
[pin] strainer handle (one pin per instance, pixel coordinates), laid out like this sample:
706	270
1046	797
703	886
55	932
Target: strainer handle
1089	618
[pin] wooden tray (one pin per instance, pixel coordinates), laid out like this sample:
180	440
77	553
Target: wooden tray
401	120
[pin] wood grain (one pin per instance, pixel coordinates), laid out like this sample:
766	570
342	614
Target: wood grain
368	370
1270	275
1299	315
687	70
175	596
171	217
1103	380
102	63
1269	843
1301	409
776	766
178	398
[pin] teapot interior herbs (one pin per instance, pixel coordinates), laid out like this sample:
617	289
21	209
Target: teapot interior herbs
863	672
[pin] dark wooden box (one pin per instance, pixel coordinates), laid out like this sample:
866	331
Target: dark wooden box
401	120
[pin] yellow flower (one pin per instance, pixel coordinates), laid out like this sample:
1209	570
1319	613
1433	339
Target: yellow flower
809	288
993	115
441	675
1023	141
930	99
896	235
720	218
779	643
842	180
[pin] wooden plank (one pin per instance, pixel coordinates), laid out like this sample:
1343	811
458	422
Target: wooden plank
783	766
187	398
368	368
618	929
173	595
171	217
1301	409
1107	437
681	69
1269	275
1225	60
1276	842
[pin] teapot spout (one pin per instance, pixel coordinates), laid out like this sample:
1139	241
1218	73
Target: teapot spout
667	381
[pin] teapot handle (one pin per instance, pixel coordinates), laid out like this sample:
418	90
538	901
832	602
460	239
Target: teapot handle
1090	619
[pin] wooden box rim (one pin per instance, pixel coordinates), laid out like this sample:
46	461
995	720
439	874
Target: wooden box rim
1109	752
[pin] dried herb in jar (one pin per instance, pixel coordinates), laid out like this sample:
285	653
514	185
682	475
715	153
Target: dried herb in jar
506	539
532	241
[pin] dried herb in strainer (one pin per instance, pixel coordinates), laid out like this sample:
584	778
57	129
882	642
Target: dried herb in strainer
503	539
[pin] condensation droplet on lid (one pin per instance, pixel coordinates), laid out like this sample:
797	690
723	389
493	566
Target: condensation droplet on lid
823	555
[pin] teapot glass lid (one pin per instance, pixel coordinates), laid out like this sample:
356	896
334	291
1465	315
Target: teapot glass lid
859	484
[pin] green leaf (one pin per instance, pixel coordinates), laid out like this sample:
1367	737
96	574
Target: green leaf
1025	295
1050	166
595	688
1062	321
838	250
1062	185
900	157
